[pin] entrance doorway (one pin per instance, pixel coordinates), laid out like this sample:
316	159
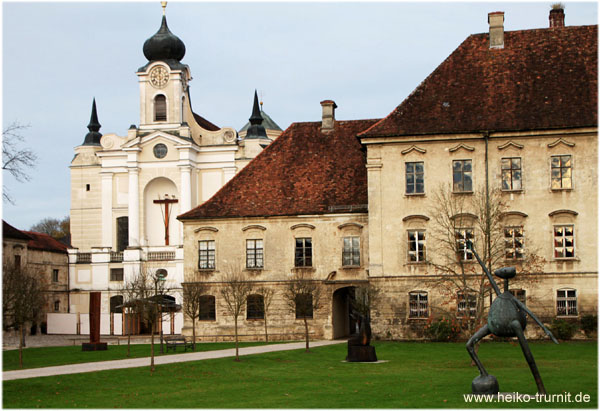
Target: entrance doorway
343	324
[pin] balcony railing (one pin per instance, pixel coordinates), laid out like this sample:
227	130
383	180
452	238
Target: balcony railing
160	255
116	256
84	258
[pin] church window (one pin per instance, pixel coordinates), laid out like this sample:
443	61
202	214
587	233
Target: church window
207	310
303	252
160	108
254	254
561	171
418	304
122	233
416	246
511	173
256	307
513	242
116	274
564	241
415	183
351	252
206	255
462	176
566	302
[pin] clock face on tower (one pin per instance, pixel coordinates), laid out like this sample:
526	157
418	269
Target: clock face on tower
159	76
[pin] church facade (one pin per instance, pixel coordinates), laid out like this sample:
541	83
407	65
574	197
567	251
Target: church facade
126	191
510	116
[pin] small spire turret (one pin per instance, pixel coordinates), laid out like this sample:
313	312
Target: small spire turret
256	129
92	138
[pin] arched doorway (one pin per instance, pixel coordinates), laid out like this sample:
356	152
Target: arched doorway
343	325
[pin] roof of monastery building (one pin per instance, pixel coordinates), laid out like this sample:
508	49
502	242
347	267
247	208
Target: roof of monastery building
304	171
8	231
541	79
44	242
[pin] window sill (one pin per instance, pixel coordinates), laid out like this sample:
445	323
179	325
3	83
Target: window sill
573	316
418	318
255	319
254	270
350	267
414	194
206	270
311	268
207	321
512	191
565	259
417	263
462	192
560	189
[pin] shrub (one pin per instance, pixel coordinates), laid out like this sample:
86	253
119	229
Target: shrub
442	329
562	329
589	324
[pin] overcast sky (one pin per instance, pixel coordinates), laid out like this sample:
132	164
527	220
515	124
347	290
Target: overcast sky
367	57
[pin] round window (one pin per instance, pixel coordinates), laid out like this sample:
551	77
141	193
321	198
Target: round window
160	150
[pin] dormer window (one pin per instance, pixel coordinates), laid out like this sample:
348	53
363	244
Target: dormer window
160	108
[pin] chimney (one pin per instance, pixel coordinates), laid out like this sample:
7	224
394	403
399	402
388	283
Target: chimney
328	119
496	21
557	16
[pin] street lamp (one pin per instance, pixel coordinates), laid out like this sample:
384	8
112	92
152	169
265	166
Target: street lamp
160	276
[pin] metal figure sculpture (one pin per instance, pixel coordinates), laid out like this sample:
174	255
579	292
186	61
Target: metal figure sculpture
506	318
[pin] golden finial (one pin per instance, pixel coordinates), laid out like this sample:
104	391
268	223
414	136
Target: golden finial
164	7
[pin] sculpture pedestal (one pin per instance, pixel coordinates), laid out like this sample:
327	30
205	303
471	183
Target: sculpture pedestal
361	353
99	346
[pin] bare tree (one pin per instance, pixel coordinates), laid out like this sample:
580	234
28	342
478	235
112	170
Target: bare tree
129	292
304	297
192	303
54	227
235	291
456	220
23	298
16	160
148	289
267	294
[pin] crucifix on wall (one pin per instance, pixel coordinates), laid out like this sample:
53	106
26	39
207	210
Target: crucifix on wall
168	203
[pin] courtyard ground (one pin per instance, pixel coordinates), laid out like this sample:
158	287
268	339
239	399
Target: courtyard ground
412	375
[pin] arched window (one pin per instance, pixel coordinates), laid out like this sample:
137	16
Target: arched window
207	308
116	304
160	108
256	307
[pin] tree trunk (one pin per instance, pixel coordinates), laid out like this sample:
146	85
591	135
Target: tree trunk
266	331
21	346
194	333
152	349
237	356
306	332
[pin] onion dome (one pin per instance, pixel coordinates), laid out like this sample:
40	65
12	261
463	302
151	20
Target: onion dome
164	45
256	129
93	137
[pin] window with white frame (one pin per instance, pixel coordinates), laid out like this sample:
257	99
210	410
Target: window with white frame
206	254
416	246
418	304
254	254
415	182
303	252
462	176
561	170
467	304
462	235
566	302
564	241
513	243
351	252
511	173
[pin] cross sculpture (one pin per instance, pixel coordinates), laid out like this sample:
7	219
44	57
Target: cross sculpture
168	204
507	318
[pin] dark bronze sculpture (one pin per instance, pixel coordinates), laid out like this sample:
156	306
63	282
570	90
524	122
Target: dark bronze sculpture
94	344
506	318
359	349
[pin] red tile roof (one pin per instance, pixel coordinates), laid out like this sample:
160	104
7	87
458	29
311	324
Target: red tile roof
44	242
8	231
541	79
204	123
302	172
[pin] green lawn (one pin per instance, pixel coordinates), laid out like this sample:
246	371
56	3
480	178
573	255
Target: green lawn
416	375
50	356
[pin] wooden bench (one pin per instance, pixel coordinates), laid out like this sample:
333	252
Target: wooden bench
173	342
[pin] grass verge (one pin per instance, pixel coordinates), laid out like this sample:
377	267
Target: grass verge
37	357
416	375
